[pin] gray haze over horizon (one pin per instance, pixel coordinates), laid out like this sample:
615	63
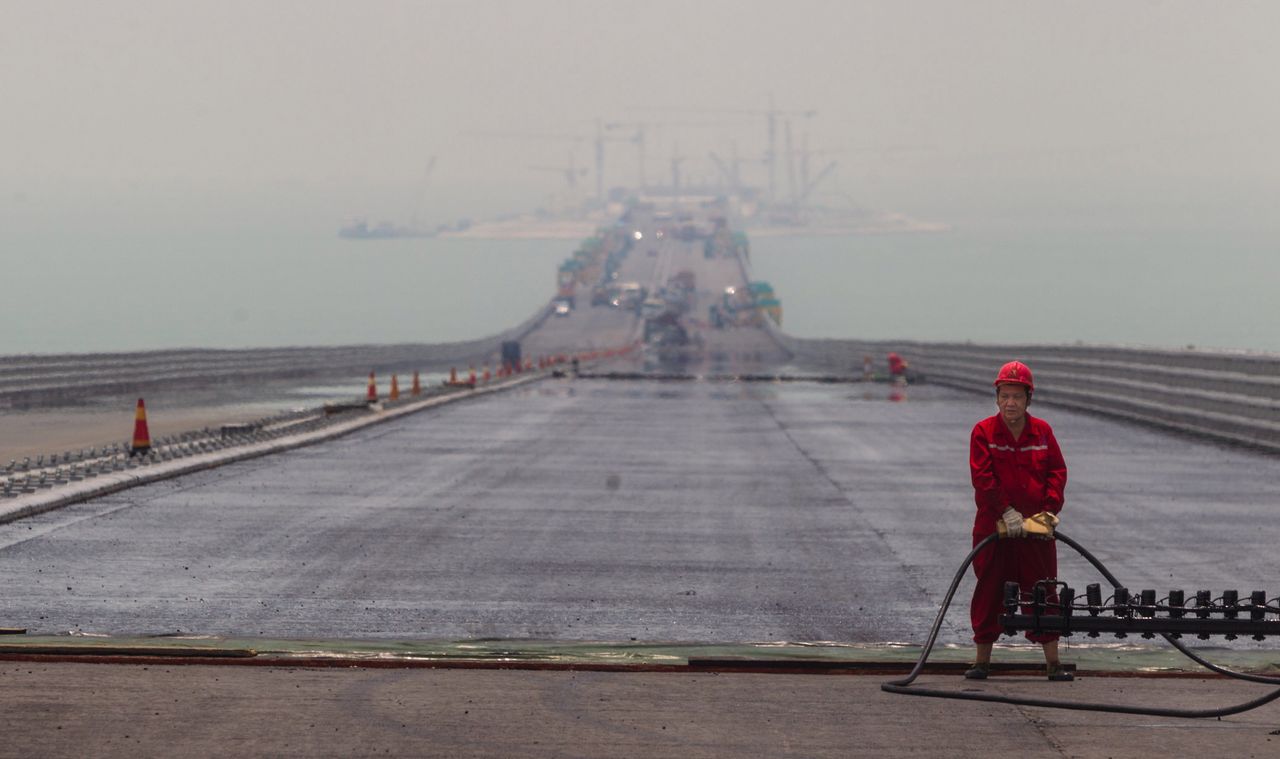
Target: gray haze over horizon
174	174
204	115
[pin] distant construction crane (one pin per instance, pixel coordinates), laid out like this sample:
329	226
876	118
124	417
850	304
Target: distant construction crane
676	160
570	173
598	142
729	172
772	116
641	129
638	139
807	184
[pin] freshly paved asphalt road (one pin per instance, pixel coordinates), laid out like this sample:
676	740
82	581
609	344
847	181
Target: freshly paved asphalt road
610	510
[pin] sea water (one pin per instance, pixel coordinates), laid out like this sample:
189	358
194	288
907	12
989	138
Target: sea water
80	291
1105	287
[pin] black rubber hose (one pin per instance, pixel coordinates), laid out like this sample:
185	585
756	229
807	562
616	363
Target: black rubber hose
903	686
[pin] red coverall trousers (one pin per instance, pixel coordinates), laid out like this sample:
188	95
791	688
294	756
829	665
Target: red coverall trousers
1030	475
1025	561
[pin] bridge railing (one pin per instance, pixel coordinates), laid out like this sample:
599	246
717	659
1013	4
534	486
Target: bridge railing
50	379
1227	396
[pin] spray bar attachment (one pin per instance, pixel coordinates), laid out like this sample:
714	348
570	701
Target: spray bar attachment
1045	606
1053	607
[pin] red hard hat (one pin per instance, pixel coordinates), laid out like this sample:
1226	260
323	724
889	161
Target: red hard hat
1015	373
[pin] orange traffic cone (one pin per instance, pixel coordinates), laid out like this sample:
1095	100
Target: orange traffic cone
486	373
417	386
395	389
372	395
141	435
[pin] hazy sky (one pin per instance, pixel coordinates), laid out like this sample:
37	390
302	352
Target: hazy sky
957	111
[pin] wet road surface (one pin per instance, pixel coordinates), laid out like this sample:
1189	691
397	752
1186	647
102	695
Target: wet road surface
602	510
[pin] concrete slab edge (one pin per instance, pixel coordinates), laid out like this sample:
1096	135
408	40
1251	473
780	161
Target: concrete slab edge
1105	660
40	503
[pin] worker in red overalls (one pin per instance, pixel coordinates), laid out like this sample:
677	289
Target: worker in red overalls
897	368
1017	470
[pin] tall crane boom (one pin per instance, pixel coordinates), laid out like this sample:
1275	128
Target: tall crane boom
771	115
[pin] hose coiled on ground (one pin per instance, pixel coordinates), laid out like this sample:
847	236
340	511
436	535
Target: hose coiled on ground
903	686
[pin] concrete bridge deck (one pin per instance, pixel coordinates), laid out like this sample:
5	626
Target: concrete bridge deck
608	510
599	510
121	711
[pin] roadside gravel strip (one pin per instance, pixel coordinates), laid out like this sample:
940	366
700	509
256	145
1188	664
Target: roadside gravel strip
75	492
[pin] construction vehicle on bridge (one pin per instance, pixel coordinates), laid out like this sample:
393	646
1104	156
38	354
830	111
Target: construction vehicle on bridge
746	306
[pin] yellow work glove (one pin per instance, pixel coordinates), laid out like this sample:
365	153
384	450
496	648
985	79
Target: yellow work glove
1040	526
1012	523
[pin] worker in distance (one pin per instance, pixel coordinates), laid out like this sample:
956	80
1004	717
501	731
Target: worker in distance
1018	471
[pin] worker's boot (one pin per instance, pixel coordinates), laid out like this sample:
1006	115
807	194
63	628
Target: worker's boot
1059	675
978	671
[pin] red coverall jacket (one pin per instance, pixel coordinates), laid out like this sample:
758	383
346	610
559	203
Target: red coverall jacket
1030	475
